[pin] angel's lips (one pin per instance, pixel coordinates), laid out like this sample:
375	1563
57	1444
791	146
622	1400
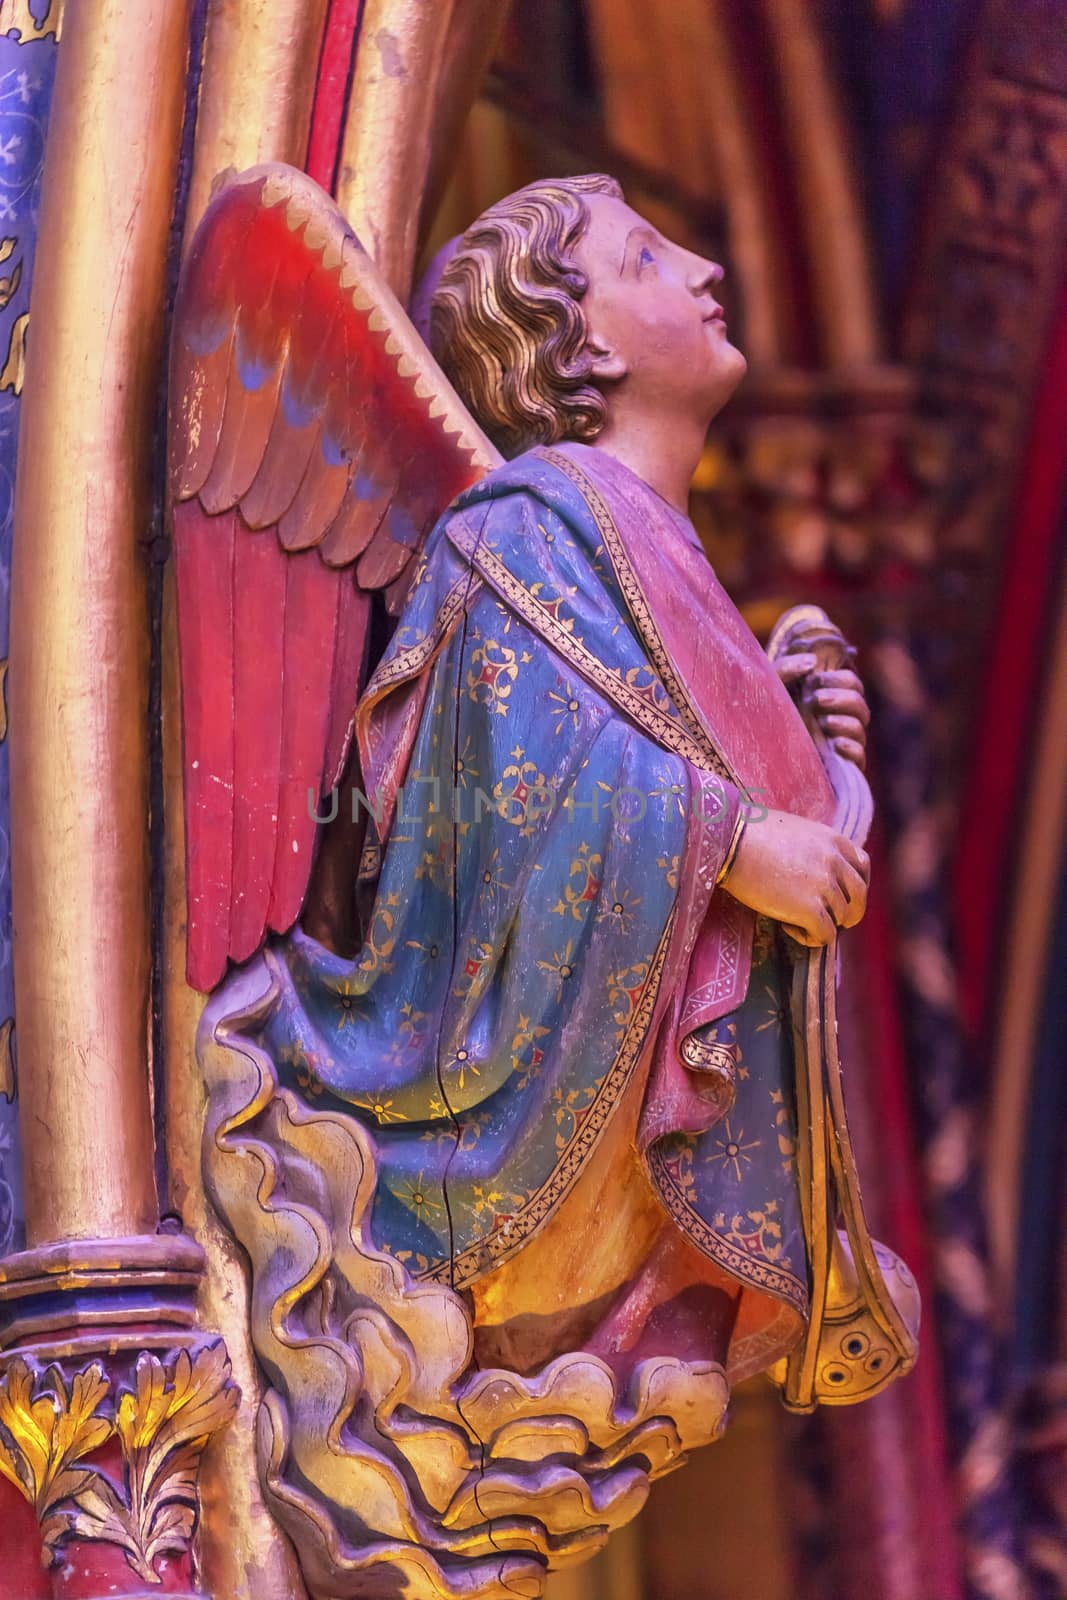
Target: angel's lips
716	318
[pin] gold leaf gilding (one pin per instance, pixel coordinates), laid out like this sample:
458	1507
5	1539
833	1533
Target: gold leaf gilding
9	285
16	17
14	368
162	1425
8	1080
47	1431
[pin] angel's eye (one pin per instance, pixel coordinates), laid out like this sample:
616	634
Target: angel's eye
645	258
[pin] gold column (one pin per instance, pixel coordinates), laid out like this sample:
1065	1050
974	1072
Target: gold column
79	629
257	89
417	69
256	98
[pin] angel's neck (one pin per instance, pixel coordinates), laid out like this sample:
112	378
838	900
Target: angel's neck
663	452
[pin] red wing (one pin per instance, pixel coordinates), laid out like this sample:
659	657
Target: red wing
313	441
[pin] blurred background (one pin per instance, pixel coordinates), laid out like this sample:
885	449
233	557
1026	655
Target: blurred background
885	182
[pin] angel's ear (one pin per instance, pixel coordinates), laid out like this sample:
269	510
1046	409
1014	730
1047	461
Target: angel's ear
606	366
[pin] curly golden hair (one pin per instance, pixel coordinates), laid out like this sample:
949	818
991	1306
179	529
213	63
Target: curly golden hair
506	322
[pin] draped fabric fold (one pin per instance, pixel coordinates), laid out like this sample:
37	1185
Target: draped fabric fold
560	746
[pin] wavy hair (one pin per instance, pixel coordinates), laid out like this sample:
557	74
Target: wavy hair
506	322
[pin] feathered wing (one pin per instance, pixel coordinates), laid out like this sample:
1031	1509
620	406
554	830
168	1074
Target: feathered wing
313	442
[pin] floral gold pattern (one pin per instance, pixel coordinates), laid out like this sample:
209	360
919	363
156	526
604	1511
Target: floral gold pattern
47	1431
16	16
162	1426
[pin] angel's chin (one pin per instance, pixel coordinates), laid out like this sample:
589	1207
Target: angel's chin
728	369
733	360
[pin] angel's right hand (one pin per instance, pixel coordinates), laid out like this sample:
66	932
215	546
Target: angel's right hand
802	874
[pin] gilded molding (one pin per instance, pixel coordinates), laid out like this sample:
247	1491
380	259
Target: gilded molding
257	90
79	625
417	70
151	1282
50	1427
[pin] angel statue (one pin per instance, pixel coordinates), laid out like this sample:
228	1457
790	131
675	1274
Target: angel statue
516	869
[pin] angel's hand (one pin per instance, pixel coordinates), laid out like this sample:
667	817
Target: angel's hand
836	698
800	873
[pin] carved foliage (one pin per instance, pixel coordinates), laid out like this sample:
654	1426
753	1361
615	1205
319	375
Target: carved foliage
162	1425
47	1430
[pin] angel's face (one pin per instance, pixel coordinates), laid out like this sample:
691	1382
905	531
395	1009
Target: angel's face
654	323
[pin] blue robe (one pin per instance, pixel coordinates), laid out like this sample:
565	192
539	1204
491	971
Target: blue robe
549	829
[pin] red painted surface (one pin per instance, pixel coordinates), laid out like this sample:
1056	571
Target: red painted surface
331	90
900	1186
86	1569
93	1570
314	466
24	1576
1012	686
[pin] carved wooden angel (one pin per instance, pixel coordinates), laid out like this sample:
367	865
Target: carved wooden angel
505	1074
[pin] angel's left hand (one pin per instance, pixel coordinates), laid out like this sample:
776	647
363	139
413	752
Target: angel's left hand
837	699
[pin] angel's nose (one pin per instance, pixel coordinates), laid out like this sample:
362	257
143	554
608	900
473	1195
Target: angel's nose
705	275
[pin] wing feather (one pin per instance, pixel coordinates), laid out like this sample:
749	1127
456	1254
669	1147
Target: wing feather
312	596
293	436
313	441
201	379
354	526
251	407
259	677
317	501
205	611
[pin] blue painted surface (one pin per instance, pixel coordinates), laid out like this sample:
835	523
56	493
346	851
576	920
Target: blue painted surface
27	74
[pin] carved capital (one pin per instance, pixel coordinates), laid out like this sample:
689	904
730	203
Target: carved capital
115	1461
79	1296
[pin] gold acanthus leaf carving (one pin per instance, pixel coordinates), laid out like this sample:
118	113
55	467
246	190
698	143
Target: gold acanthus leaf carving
162	1426
48	1429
